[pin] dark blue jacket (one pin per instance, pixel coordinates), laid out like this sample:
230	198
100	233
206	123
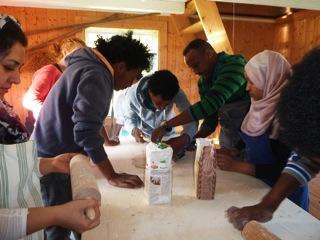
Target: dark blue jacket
73	113
270	157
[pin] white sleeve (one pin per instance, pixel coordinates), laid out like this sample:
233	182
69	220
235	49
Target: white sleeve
13	223
37	170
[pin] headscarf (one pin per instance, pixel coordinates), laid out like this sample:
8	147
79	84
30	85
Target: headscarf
268	71
4	19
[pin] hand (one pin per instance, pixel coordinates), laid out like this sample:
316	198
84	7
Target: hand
58	164
157	134
230	152
239	217
111	142
224	159
72	215
227	162
61	163
125	180
138	135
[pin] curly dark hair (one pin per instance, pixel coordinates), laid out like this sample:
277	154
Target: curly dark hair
299	107
10	34
164	83
197	44
123	48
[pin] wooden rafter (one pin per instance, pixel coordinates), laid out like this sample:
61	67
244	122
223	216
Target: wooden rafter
190	8
180	23
212	24
194	28
73	29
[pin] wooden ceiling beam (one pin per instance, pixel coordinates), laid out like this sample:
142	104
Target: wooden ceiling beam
180	22
194	28
309	4
190	8
212	24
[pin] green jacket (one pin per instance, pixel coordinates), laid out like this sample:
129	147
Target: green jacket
226	85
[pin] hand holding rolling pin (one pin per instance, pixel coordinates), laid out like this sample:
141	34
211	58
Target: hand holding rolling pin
72	215
239	217
83	183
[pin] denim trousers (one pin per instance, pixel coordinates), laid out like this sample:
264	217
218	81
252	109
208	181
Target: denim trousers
56	190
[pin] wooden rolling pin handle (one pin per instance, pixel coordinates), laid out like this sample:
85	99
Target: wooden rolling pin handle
90	213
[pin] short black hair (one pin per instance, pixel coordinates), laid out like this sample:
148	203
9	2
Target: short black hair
299	107
123	48
163	83
10	34
197	44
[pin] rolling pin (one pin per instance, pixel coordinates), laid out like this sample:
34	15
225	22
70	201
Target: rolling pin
255	231
83	182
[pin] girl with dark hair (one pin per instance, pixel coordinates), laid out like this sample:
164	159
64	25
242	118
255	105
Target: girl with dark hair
21	208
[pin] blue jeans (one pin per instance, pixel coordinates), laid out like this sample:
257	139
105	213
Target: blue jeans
56	190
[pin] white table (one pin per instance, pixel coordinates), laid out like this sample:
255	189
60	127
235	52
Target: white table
125	215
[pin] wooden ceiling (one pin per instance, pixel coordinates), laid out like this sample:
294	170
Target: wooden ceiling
249	10
256	8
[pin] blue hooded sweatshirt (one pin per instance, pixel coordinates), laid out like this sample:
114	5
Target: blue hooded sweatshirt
73	113
142	114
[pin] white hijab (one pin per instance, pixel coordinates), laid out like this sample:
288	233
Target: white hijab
268	71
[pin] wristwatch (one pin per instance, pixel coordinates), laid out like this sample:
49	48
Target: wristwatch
164	125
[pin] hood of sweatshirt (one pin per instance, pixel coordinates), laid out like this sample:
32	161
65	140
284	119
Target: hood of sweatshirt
143	95
83	55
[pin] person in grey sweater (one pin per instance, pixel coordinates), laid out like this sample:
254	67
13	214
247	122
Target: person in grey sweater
299	119
73	113
150	102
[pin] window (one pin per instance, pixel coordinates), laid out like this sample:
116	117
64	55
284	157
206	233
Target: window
147	37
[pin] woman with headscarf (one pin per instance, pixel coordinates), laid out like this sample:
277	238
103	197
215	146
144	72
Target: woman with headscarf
265	156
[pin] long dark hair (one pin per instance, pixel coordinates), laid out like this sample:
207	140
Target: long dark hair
10	33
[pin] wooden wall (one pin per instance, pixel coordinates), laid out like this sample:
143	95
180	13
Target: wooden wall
250	37
293	37
297	34
38	22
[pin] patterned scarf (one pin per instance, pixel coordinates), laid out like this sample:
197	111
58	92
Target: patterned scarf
11	129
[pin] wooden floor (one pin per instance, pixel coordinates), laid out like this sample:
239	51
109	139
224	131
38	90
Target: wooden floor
314	188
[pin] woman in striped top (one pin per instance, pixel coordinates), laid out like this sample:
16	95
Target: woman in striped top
21	207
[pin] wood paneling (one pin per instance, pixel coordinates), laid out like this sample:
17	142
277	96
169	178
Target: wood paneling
249	38
297	34
247	42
